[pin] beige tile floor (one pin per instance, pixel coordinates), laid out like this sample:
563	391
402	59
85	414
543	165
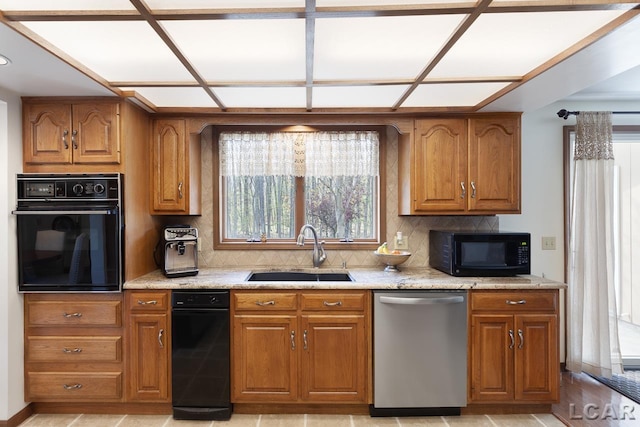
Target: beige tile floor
241	420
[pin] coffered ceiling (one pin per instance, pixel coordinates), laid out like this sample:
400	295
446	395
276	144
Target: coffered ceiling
320	55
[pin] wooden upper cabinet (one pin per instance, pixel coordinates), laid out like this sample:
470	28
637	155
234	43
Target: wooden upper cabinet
175	168
461	166
71	133
494	164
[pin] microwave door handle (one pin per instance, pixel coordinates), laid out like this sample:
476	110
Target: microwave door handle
56	212
421	301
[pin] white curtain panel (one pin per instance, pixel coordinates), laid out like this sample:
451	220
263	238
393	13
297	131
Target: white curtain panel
593	344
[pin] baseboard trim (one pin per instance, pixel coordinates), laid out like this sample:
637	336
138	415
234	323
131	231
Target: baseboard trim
18	418
499	409
102	408
300	408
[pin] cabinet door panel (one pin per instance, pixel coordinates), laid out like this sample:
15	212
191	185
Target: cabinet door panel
536	358
47	133
333	358
264	364
492	358
494	165
149	358
168	166
440	157
96	133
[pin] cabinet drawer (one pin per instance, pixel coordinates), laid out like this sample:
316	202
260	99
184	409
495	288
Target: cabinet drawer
73	349
73	386
333	301
148	301
515	301
74	313
264	301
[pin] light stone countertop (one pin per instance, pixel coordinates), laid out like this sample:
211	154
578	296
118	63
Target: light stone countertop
364	278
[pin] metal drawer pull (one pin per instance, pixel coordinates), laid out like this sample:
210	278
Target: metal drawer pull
464	190
64	139
332	304
263	303
180	195
75	350
473	190
160	338
304	339
72	387
521	336
152	302
73	139
68	315
522	301
293	340
513	341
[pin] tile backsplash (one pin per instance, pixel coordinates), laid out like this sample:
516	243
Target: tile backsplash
415	228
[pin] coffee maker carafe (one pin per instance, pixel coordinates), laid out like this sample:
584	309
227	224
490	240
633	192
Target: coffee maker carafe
180	244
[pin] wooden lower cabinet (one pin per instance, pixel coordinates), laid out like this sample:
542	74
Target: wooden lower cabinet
288	348
73	348
149	346
514	347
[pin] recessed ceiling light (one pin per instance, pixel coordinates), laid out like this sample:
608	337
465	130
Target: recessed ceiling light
4	60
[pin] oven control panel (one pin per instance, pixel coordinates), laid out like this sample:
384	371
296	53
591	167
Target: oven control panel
86	187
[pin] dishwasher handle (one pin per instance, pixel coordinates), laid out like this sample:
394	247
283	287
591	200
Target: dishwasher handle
421	300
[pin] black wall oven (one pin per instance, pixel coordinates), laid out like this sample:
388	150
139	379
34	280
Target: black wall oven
70	229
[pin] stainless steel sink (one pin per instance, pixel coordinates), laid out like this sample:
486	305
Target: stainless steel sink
298	276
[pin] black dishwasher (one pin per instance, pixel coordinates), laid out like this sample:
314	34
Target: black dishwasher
200	355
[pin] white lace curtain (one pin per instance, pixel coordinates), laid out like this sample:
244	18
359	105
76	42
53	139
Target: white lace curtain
592	331
313	154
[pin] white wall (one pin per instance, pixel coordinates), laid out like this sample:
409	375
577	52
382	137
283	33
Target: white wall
11	312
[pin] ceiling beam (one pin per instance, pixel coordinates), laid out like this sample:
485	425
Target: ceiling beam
310	34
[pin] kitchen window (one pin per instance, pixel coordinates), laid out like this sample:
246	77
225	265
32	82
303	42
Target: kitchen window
274	182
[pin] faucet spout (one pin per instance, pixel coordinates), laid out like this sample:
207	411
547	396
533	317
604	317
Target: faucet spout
319	255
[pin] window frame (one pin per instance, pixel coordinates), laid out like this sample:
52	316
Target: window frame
286	244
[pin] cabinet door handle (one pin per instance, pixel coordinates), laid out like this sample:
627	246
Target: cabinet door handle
180	190
293	340
65	133
160	334
69	315
332	304
513	341
264	303
521	336
152	302
464	190
75	350
522	301
75	386
73	139
304	340
473	190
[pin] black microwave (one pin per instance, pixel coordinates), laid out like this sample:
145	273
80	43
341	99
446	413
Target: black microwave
463	253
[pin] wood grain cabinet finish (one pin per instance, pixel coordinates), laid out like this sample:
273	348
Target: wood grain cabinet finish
175	169
63	133
514	354
313	348
461	166
73	348
149	346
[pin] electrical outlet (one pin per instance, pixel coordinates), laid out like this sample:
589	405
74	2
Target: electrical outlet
549	243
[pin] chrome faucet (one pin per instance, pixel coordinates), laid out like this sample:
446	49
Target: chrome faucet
318	251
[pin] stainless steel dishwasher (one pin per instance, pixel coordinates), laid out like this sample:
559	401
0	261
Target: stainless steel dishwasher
419	352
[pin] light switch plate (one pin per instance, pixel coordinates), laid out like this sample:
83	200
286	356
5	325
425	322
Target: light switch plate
549	243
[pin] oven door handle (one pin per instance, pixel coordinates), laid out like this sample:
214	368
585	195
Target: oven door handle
61	212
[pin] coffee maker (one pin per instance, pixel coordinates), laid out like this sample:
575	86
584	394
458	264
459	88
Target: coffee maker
180	243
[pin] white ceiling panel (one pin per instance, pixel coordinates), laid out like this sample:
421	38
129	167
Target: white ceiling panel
222	4
452	94
356	96
378	48
243	50
66	5
116	50
179	97
262	97
516	43
337	3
